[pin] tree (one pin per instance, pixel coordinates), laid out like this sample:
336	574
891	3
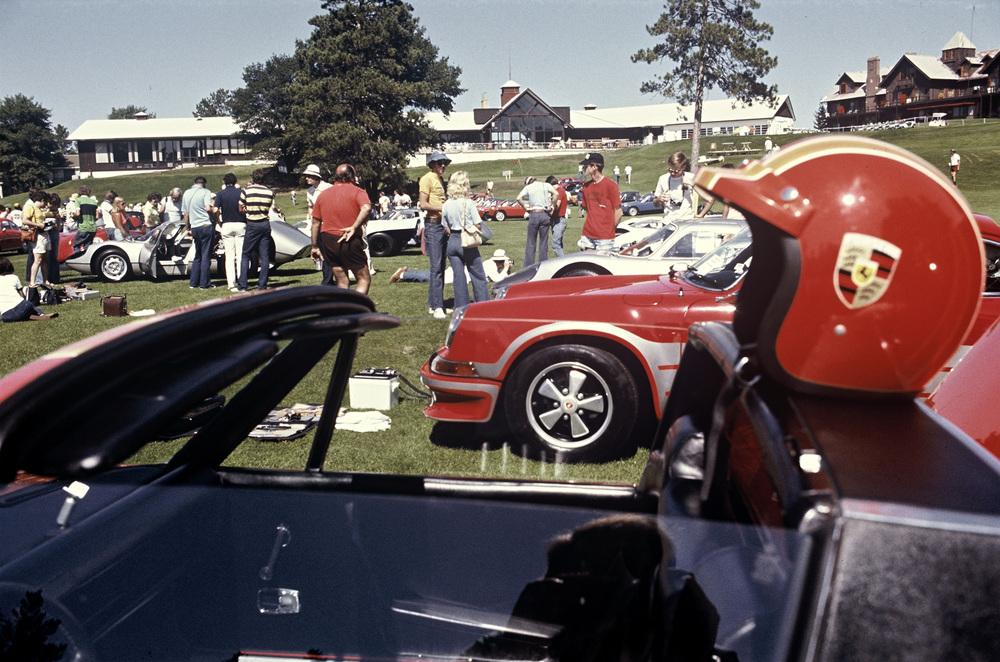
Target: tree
216	104
29	148
712	44
263	107
66	146
359	86
821	120
127	112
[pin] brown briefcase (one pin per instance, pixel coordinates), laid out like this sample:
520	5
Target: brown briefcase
114	306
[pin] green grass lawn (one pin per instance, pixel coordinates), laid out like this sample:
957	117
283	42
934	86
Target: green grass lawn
408	447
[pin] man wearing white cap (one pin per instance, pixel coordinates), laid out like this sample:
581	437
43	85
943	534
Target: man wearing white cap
314	180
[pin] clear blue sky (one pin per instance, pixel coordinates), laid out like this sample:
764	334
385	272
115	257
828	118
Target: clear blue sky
168	54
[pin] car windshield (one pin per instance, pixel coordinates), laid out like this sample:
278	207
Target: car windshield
648	246
237	572
721	268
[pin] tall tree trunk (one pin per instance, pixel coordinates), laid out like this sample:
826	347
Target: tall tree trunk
698	102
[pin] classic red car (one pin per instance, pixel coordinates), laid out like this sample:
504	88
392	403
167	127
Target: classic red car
66	240
10	237
578	365
501	210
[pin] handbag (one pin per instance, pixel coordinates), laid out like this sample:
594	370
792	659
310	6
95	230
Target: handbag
114	306
471	236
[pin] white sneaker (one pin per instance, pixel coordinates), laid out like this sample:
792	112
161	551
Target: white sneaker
438	314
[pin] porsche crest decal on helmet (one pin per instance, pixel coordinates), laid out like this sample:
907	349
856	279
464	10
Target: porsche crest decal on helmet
864	270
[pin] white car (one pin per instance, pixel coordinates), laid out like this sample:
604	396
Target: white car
167	252
675	245
387	235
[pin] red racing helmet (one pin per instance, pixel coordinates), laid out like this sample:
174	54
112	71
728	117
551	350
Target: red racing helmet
867	265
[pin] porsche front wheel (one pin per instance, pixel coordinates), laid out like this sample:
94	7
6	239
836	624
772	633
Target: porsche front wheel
500	216
579	401
113	265
633	211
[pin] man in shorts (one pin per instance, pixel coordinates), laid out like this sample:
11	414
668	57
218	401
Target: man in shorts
338	219
602	202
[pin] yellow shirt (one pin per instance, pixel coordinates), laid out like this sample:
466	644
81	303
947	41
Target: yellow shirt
430	184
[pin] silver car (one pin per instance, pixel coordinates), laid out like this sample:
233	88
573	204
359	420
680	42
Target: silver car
674	245
166	252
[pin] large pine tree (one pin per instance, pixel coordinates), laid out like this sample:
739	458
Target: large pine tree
356	90
711	44
29	147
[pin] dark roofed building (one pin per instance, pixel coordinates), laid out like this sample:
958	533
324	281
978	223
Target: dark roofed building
960	83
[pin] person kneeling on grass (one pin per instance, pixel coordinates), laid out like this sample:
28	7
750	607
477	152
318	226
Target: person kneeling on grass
13	306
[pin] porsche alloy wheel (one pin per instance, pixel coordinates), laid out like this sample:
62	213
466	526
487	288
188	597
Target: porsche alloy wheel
113	265
633	211
500	216
575	400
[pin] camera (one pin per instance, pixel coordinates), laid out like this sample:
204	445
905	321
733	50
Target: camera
49	224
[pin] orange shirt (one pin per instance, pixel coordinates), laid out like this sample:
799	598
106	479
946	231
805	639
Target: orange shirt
338	207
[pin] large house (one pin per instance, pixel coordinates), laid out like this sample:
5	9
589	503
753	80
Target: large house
150	143
963	82
523	118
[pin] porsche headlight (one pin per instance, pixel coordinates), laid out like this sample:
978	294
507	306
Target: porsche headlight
456	319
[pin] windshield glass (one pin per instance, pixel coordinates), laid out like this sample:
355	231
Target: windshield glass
721	268
650	244
233	572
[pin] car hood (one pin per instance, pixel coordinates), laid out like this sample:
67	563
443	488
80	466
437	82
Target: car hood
577	285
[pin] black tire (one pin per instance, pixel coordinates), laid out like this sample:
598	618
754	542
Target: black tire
579	401
500	216
113	265
633	211
381	244
580	271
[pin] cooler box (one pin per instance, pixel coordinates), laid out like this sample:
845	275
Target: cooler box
374	388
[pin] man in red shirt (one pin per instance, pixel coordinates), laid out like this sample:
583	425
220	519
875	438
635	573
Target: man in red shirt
603	202
558	215
338	219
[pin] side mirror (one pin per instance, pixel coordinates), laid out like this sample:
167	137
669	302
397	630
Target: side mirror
676	269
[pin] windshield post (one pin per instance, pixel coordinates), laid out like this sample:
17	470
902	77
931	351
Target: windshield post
334	396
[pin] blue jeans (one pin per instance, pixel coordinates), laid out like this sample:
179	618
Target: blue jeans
538	234
21	312
202	263
257	238
460	258
558	230
53	256
436	244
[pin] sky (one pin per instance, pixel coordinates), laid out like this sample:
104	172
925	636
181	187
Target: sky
168	54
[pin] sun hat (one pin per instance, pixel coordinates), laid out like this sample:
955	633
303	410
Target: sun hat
312	170
499	254
433	157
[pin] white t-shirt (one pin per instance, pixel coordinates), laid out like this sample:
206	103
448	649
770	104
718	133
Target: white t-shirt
955	160
496	270
405	201
15	216
677	189
171	209
10	292
313	192
104	215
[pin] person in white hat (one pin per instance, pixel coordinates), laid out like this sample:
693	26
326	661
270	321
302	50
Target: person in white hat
498	267
314	180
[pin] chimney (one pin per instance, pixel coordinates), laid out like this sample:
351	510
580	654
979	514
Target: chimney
485	101
590	106
871	84
141	115
508	91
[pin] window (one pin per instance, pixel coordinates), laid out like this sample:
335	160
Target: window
144	150
707	130
119	152
526	120
686	133
102	153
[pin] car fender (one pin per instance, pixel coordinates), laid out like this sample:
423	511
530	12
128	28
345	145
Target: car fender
659	360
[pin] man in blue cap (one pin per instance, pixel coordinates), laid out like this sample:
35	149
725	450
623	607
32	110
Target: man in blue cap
432	197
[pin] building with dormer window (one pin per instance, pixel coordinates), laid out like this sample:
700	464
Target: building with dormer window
961	83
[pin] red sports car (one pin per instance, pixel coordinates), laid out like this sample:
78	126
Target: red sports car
501	210
10	237
577	366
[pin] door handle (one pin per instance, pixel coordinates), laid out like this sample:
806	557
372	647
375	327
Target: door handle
281	539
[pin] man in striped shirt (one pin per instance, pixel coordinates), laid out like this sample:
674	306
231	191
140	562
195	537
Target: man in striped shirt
256	201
